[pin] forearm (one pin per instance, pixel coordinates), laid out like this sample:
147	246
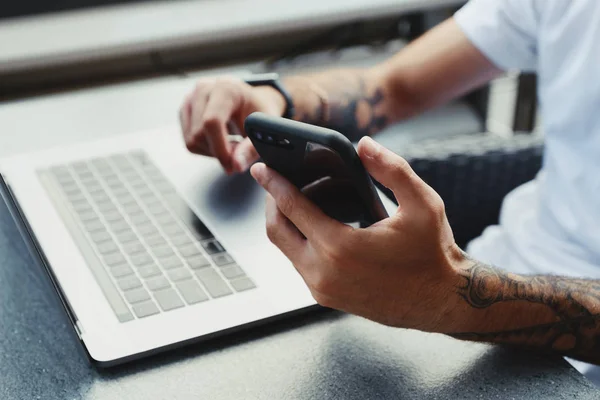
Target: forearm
439	66
355	102
545	313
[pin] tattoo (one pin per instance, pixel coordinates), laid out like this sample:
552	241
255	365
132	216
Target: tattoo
353	106
574	303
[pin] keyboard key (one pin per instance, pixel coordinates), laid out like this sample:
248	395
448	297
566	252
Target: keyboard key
214	284
137	296
192	292
137	183
155	241
158	283
82	207
72	189
100	236
212	247
168	299
132	209
93	187
139	260
173	230
157	209
128	283
145	309
148	271
113	216
94	225
151	200
143	192
119	191
101	198
64	180
121	271
232	271
88	215
114	259
222	259
126	236
75	197
108	247
171	263
119	226
179	274
198	262
139	219
148	230
106	206
242	284
189	251
134	247
181	240
165	219
163	252
126	199
112	180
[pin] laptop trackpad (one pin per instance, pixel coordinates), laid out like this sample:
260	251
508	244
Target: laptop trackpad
232	197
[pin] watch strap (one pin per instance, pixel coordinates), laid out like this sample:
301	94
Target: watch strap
272	79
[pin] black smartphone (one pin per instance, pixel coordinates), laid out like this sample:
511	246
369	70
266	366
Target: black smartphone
321	162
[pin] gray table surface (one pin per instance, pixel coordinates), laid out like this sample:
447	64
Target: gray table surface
320	355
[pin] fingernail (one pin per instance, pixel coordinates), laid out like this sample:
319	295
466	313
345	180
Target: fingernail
257	171
372	148
242	162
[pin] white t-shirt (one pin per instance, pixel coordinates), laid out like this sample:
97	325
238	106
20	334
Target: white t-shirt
550	225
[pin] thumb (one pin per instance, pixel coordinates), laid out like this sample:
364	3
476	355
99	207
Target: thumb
392	171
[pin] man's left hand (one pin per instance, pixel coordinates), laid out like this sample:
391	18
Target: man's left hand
401	271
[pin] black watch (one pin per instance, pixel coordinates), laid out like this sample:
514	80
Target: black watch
272	79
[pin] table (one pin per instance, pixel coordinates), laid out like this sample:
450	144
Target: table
319	355
149	27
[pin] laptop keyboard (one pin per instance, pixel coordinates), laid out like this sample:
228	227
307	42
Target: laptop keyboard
146	248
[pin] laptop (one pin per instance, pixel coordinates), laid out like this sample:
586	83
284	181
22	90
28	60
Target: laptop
150	247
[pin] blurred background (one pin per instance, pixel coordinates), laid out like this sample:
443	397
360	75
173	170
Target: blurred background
472	151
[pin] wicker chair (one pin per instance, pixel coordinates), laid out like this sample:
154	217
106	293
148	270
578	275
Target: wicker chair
472	173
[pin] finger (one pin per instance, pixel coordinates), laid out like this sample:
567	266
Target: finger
393	172
219	109
244	155
304	214
283	233
185	112
194	135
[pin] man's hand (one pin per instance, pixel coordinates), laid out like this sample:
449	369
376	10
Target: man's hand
406	271
217	105
400	271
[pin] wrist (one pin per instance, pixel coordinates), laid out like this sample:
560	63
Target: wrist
454	313
273	100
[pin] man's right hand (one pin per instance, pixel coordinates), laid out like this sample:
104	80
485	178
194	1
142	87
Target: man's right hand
216	109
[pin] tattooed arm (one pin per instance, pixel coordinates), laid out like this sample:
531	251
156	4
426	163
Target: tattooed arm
546	313
441	65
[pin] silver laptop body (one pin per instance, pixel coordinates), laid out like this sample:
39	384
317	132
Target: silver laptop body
150	246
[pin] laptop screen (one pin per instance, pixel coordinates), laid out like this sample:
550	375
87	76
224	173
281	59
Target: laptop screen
21	8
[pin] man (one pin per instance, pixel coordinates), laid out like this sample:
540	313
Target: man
407	271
